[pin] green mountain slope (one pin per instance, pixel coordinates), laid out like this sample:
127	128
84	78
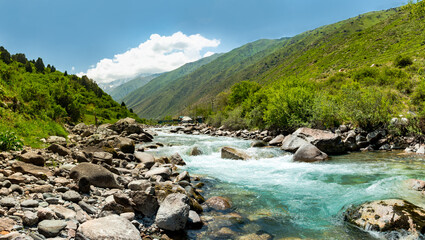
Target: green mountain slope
124	89
35	100
170	98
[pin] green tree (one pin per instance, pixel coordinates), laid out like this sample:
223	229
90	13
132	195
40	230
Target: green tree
241	91
5	55
39	65
20	57
28	67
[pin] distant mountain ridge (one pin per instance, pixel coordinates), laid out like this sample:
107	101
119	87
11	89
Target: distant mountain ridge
118	92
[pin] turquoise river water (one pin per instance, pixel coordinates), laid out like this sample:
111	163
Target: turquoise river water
287	199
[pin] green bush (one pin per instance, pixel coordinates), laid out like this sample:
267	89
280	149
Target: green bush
9	141
402	61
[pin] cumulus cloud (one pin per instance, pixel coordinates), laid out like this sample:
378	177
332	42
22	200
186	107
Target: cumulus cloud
156	55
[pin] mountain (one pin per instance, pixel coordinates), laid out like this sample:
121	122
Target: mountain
35	100
110	86
177	91
124	89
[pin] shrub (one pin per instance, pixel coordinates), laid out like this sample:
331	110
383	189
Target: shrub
402	62
9	141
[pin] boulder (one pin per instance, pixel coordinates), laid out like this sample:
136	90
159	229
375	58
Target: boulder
309	153
291	143
232	153
195	151
56	139
63	212
72	196
103	157
415	184
30	218
173	213
218	203
164	172
258	144
126	145
60	150
176	159
145	203
7	224
147	159
194	221
388	216
326	141
33	158
112	227
51	228
86	174
277	141
34	170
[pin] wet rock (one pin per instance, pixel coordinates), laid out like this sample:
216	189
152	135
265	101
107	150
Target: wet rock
218	203
277	141
60	150
232	153
147	159
32	169
195	151
415	184
173	212
258	144
326	141
33	158
387	216
309	153
86	174
51	228
176	159
111	227
145	203
291	143
194	221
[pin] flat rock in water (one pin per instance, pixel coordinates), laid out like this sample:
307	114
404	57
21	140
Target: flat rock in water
173	212
111	227
176	159
326	141
309	153
388	216
232	153
277	141
291	143
218	203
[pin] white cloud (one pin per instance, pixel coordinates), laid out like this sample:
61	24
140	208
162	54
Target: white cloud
207	54
73	68
156	55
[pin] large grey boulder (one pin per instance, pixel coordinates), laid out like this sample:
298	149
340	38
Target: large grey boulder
173	213
277	141
326	141
147	159
388	216
126	145
86	174
309	153
33	158
232	153
291	143
176	159
112	227
145	203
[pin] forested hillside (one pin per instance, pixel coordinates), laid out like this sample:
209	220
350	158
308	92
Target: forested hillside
36	99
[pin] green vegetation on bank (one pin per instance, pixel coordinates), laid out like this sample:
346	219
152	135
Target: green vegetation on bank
36	100
365	71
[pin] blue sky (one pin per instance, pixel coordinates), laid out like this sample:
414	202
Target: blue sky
79	34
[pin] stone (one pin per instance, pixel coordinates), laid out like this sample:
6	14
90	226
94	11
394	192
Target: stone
291	143
388	216
51	228
79	156
326	141
195	151
72	196
29	203
421	149
8	202
86	174
277	141
173	212
194	221
112	227
60	150
27	168
87	207
128	215
137	185
309	153
374	136
41	188
30	218
254	236
45	213
258	144
218	203
415	184
56	139
147	159
103	157
232	153
126	145
164	172
182	176
33	158
145	203
7	224
63	212
176	159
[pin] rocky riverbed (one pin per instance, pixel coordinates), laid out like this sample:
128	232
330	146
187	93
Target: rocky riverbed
97	185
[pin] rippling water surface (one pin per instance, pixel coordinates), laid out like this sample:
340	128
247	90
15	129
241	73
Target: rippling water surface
290	199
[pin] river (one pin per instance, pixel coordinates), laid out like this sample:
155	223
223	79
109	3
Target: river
287	199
